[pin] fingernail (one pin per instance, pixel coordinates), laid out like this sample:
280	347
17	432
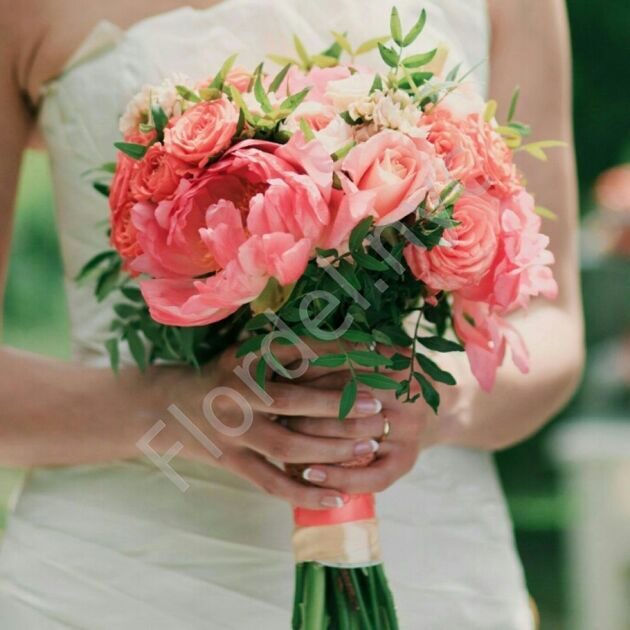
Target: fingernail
314	475
345	498
366	448
332	502
368	405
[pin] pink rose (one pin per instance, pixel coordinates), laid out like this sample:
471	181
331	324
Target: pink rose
201	132
258	213
486	336
474	153
400	170
471	250
158	175
238	78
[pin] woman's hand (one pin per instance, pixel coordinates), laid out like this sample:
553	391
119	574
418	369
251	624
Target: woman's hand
239	435
412	428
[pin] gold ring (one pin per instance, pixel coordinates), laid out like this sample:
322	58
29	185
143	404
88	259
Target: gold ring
387	428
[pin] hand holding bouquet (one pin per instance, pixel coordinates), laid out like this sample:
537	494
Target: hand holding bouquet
334	203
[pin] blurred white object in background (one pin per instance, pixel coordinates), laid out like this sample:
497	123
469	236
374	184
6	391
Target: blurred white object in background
595	459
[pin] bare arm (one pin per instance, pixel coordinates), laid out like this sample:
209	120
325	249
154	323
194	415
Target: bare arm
530	46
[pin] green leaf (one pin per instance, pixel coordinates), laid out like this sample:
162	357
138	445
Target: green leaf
348	398
261	373
389	56
279	78
292	102
400	362
369	262
136	347
111	346
252	344
94	262
395	27
330	360
377	381
513	103
369	359
357	336
342	40
282	61
371	44
160	119
187	94
435	371
108	282
307	130
210	94
452	75
237	98
257	322
359	234
429	392
439	344
302	52
219	79
413	34
273	362
422	59
135	151
377	84
545	213
341	153
324	61
125	311
261	95
133	293
381	337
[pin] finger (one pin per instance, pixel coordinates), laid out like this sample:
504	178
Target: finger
350	428
373	478
298	400
279	443
275	482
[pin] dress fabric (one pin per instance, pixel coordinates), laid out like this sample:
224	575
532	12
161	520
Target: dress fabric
120	546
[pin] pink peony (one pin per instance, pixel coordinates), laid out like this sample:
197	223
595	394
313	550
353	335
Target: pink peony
201	132
257	213
316	79
521	270
471	250
486	336
400	170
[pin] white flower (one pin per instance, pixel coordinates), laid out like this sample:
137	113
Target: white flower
343	92
393	109
165	94
335	136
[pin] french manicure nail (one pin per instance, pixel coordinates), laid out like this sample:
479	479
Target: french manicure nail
370	405
332	502
314	475
366	448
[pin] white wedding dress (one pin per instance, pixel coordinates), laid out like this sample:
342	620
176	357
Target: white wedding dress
120	546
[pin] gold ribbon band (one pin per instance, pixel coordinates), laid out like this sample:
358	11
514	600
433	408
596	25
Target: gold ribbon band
342	545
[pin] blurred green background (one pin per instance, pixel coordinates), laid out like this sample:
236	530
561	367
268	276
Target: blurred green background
36	317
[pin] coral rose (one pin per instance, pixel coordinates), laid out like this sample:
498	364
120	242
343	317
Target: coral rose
158	175
201	132
400	170
471	250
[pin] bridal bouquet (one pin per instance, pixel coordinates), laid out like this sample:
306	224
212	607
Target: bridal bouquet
333	202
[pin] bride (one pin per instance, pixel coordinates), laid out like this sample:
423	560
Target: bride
101	537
